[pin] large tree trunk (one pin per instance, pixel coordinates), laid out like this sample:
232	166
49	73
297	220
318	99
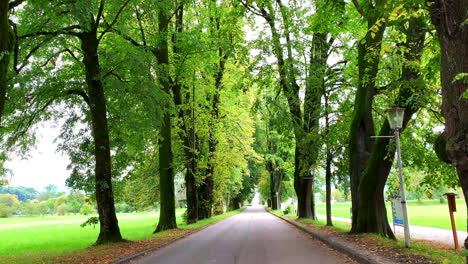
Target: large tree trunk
109	228
191	191
6	46
372	214
362	125
328	161
328	187
167	217
272	169
303	184
449	18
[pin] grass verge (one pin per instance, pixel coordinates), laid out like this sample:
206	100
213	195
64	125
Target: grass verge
421	251
137	229
429	213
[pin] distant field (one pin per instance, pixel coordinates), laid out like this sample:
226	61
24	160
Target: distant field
27	237
425	213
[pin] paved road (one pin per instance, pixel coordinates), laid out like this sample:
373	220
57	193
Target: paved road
251	237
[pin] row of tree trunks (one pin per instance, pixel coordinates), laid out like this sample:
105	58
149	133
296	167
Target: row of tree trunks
449	18
205	190
187	133
206	187
276	179
109	228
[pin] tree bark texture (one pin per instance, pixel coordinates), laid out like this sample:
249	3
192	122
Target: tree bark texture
109	228
167	218
449	18
328	160
328	176
6	47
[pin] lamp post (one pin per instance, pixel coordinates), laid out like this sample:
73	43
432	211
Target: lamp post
395	119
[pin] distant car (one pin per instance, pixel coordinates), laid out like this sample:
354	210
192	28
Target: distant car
248	205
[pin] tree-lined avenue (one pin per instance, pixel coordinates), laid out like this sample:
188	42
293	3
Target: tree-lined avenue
253	236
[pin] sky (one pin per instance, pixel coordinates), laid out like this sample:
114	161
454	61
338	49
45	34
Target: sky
43	165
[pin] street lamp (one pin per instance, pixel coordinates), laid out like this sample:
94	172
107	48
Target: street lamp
395	119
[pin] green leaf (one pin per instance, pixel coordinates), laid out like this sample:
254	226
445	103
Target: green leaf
460	76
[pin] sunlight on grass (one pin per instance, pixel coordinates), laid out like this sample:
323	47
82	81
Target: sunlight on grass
63	233
429	213
38	239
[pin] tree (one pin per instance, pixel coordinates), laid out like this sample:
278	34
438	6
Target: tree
304	116
449	19
82	22
23	193
371	160
8	204
6	48
74	202
87	209
50	191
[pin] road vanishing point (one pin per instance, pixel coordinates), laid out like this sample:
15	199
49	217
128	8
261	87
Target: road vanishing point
251	237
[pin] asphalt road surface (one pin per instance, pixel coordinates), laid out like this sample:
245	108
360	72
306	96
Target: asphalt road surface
251	237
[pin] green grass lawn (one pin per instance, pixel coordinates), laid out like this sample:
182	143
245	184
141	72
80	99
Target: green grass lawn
425	213
55	235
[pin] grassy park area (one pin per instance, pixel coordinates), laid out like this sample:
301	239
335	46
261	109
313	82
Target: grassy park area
35	239
429	213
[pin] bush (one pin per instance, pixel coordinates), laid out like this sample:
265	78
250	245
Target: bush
87	209
61	210
184	217
288	210
218	209
123	207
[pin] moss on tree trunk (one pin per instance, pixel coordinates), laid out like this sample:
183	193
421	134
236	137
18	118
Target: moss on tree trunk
371	214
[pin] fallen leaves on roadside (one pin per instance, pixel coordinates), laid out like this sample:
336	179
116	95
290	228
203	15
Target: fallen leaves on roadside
114	251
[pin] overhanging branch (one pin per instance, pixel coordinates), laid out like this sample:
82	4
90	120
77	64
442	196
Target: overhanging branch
64	31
